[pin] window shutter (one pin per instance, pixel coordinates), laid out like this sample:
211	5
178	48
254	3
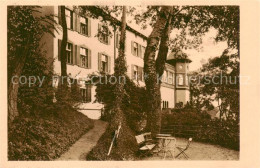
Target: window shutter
78	23
99	61
117	40
99	29
140	74
89	58
75	55
132	47
89	27
59	15
109	64
132	71
78	55
72	53
59	48
74	21
139	51
89	93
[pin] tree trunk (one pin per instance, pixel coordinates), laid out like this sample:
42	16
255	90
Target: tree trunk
163	49
63	55
150	70
120	70
13	86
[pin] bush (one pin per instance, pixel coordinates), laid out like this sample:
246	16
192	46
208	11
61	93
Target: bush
134	103
198	125
130	115
45	137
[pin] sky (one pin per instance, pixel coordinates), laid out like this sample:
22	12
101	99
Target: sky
210	47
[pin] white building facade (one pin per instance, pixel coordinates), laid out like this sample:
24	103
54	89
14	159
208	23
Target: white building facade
88	54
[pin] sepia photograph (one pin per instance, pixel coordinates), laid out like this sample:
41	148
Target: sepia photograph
123	83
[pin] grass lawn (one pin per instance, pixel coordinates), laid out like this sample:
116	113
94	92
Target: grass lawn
45	137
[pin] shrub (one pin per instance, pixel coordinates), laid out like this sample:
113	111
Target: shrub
198	125
134	103
45	137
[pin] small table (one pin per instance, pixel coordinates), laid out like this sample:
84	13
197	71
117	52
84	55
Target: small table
167	145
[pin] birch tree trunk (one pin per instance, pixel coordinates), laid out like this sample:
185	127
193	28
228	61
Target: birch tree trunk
150	70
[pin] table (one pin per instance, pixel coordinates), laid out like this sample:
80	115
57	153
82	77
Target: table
167	145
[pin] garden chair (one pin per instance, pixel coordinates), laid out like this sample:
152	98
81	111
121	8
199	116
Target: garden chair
183	149
145	143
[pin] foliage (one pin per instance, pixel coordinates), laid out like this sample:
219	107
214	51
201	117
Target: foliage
124	149
134	101
191	22
46	137
25	29
218	81
198	125
44	129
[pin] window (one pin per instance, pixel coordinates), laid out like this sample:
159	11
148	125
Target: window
83	25
103	34
84	57
170	77
187	80
135	75
135	49
165	76
69	18
104	63
180	80
165	104
85	92
69	53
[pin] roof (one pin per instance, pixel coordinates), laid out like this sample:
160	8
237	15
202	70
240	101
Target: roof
178	55
98	11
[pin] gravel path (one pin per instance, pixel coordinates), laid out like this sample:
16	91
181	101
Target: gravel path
80	149
201	151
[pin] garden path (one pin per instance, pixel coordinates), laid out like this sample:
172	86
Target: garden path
80	149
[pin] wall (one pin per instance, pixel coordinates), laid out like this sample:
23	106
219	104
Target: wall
182	96
167	94
96	46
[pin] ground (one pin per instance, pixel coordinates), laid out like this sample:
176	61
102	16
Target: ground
80	149
201	151
196	151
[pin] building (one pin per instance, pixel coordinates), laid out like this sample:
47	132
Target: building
88	54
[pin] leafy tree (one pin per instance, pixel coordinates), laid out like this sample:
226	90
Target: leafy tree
25	29
192	21
219	81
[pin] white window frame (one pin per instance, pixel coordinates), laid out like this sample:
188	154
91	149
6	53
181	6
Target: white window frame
103	37
180	80
135	70
85	56
69	53
83	25
104	59
170	77
69	18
